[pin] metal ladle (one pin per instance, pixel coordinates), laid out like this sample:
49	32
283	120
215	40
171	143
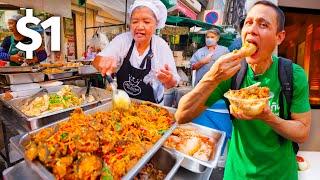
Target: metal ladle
120	98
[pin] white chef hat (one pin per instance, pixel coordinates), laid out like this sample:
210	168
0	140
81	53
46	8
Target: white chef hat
156	6
15	17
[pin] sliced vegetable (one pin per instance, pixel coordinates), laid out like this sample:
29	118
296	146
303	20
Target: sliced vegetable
300	159
118	126
162	131
64	136
106	172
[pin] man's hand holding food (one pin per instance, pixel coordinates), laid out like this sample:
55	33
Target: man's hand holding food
265	115
229	64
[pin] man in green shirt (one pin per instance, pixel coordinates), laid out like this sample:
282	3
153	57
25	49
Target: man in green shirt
255	150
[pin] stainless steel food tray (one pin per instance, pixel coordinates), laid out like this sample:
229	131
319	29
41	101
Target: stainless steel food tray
196	165
15	69
100	95
87	69
45	174
60	75
22	78
167	162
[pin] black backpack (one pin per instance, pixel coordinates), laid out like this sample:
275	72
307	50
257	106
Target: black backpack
286	81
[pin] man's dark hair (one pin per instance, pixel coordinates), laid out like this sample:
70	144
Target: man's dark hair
279	12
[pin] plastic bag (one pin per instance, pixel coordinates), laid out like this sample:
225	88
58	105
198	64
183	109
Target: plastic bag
99	41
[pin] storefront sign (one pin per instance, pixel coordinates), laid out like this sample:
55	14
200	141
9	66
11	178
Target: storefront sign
186	10
174	30
70	46
193	4
69	35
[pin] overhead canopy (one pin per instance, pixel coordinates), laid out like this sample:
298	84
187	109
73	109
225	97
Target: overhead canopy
57	7
169	3
116	8
182	21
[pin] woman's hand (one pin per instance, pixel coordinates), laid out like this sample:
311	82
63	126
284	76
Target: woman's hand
16	58
166	77
105	65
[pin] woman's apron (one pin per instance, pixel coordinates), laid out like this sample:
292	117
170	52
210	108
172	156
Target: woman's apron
130	79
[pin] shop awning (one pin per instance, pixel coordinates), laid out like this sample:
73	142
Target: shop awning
169	3
183	21
116	8
184	9
57	7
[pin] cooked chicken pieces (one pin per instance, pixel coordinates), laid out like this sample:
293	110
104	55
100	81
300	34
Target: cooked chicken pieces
247	49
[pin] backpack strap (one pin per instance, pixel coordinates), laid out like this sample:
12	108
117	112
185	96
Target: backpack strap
286	80
236	82
238	78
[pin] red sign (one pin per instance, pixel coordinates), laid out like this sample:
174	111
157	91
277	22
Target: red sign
186	10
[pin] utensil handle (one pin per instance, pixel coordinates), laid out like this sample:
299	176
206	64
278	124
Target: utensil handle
109	79
88	87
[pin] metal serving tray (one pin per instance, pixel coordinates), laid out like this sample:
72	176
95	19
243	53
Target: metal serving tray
60	75
20	171
45	174
100	95
15	69
167	162
87	69
196	165
22	78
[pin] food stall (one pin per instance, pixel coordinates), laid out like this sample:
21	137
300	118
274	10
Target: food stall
161	151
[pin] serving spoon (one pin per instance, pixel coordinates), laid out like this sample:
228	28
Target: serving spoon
120	99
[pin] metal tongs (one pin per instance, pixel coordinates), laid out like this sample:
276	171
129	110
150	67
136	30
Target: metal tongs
120	98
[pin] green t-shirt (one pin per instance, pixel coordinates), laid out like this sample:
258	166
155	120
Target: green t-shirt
255	151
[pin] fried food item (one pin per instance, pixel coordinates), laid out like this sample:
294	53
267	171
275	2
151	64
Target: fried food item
60	168
88	141
104	144
90	167
7	96
246	50
43	153
250	101
50	65
32	152
251	93
52	71
72	64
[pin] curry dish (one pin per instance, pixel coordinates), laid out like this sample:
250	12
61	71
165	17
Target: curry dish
150	172
102	145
